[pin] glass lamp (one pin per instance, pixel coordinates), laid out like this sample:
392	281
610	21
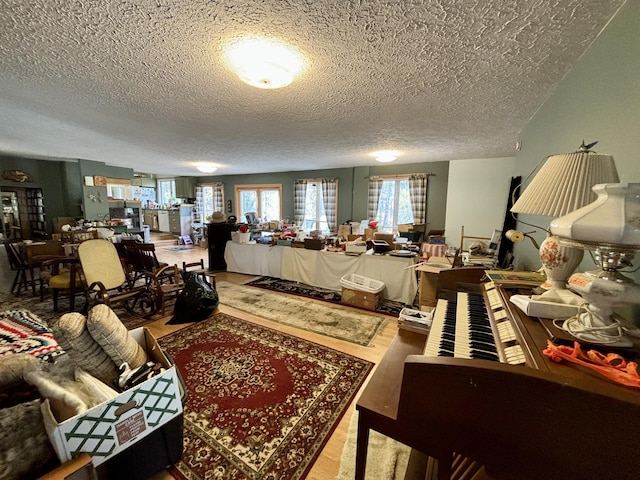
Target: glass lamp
563	184
610	228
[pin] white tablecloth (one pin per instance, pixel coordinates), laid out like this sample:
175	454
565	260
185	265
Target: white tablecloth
254	259
324	269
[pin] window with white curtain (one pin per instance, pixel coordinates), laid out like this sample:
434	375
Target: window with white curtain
315	217
394	205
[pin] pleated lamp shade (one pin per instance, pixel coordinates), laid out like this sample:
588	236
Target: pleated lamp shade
564	182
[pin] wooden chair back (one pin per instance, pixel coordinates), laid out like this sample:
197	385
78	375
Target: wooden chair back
101	263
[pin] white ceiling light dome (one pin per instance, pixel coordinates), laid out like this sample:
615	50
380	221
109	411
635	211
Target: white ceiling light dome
386	156
206	167
264	62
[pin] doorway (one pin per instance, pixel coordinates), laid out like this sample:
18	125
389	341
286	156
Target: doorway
23	213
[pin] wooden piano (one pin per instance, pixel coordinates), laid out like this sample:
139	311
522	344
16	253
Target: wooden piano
479	418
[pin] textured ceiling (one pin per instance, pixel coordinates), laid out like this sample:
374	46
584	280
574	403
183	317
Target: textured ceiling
142	83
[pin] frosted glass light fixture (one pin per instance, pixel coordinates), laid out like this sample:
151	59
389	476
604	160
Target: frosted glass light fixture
264	62
386	156
206	167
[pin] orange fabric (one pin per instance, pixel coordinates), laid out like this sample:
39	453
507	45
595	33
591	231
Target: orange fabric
612	365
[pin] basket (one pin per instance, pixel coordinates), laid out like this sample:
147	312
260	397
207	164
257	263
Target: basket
360	282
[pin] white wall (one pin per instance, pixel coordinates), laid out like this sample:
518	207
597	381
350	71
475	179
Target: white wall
477	197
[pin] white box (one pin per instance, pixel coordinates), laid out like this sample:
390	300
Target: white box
115	425
355	248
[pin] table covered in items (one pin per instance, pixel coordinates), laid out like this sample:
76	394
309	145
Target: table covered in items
323	269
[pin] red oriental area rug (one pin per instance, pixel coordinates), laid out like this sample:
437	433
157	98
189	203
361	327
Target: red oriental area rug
260	404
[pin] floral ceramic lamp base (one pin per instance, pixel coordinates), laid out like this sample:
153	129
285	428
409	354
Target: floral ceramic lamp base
558	262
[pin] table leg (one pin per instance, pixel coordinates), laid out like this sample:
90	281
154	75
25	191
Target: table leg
362	445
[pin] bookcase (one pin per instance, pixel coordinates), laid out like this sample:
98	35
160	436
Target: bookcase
35	212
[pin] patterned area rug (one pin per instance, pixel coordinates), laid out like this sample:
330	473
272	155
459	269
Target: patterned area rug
347	324
261	404
23	332
44	309
387	307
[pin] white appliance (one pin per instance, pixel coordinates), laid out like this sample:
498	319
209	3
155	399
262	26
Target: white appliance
163	221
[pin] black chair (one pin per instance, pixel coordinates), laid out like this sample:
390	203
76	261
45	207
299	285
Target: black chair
19	265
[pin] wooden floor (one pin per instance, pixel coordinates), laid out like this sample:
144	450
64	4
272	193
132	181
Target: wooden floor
327	465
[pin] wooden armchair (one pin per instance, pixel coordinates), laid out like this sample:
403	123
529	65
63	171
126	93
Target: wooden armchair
107	281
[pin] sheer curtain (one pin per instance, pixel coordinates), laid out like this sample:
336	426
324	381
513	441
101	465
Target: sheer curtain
299	199
375	187
329	199
418	194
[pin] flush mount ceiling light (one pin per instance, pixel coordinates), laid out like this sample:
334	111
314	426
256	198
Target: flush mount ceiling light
206	167
264	62
386	156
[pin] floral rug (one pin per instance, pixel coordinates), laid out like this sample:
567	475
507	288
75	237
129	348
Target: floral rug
344	323
260	404
387	307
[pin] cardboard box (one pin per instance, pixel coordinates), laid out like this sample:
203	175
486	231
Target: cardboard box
113	426
428	282
369	233
360	298
313	244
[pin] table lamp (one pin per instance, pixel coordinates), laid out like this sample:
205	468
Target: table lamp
562	185
610	228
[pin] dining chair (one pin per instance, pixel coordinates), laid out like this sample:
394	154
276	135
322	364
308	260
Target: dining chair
199	269
19	265
61	275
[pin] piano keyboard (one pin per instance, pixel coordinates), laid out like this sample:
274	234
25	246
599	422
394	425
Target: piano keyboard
461	328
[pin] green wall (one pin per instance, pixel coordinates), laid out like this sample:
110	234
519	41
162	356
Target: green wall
63	186
598	100
352	187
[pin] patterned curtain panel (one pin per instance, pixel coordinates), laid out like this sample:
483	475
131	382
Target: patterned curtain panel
418	193
199	210
299	197
218	197
329	199
375	187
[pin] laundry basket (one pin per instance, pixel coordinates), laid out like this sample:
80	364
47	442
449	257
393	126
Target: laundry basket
360	282
360	291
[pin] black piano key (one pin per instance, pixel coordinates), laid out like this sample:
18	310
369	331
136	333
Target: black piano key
484	356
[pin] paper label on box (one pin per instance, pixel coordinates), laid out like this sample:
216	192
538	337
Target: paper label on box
130	428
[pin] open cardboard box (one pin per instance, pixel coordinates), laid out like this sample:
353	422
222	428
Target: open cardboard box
113	426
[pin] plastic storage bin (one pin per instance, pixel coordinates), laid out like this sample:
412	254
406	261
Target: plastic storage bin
360	282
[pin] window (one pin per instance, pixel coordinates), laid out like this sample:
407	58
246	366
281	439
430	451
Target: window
263	200
207	201
315	217
394	206
166	191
